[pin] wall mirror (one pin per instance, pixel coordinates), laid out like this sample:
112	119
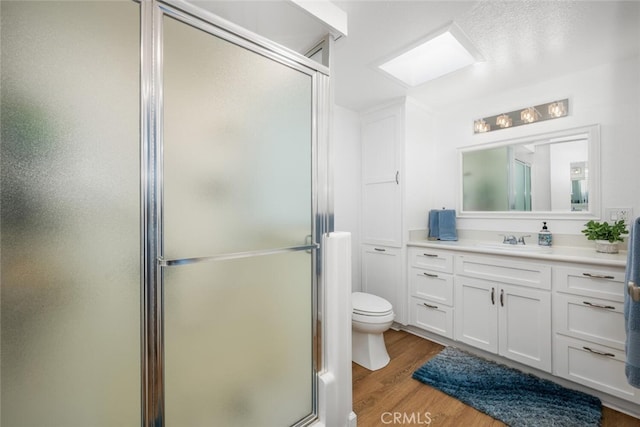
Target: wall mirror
553	175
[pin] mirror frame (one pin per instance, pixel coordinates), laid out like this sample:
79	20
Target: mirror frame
593	133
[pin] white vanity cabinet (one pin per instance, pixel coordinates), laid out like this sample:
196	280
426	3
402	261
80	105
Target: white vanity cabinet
430	278
560	312
589	334
504	307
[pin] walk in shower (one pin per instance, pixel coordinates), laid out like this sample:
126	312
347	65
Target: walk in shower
164	189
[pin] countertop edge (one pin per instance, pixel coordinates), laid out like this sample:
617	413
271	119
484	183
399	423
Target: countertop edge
555	253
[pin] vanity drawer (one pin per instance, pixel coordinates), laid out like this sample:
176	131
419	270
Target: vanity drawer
432	317
506	271
595	366
437	287
598	283
590	319
431	259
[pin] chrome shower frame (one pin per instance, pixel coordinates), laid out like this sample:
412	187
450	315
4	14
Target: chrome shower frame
151	185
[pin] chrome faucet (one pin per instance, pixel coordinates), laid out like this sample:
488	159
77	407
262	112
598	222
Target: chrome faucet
509	239
521	239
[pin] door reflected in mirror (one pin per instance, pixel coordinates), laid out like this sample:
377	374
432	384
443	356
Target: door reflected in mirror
540	175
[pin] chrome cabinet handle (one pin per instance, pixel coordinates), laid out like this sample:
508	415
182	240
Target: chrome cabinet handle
590	304
597	276
599	352
429	305
398	177
379	249
501	297
493	296
431	255
430	274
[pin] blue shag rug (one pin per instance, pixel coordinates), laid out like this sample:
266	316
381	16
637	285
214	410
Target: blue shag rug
506	394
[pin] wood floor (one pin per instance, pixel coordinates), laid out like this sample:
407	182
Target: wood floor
380	395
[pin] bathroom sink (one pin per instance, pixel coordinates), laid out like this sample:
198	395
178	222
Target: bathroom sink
513	248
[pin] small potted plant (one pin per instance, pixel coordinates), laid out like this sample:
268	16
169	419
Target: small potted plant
605	235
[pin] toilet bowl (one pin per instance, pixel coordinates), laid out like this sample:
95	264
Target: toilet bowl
370	317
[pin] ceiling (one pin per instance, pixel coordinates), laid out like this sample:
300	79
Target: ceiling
523	42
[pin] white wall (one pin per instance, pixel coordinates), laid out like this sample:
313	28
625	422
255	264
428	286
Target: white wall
346	181
608	95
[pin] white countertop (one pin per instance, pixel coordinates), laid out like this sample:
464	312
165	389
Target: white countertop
585	255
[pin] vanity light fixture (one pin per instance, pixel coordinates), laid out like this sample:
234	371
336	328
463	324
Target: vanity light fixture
480	126
529	115
557	109
523	116
504	121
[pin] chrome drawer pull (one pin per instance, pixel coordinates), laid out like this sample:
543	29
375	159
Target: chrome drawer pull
430	275
599	352
597	276
431	255
379	250
429	305
590	304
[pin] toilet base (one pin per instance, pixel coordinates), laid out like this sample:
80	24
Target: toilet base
369	350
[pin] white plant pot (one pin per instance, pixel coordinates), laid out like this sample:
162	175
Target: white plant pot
606	247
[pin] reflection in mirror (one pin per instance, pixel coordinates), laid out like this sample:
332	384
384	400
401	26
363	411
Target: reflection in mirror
552	173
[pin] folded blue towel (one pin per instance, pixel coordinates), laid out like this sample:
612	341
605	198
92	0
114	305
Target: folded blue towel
434	228
447	224
632	308
442	224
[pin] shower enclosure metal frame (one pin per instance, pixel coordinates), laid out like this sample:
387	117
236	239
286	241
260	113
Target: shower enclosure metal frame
151	134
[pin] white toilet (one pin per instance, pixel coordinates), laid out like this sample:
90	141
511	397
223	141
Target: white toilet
371	316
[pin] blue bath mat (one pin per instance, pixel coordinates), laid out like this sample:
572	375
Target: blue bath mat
506	394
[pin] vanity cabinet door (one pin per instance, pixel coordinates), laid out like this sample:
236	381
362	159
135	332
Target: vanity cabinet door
433	260
436	287
524	319
585	280
590	319
593	365
475	317
509	320
432	317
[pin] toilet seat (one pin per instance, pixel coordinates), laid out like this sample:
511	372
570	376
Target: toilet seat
372	320
370	305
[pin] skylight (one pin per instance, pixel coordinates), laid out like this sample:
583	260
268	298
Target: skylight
441	54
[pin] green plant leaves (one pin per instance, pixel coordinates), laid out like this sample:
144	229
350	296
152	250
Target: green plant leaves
596	230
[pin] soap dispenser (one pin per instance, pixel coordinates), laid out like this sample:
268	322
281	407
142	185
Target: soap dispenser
544	236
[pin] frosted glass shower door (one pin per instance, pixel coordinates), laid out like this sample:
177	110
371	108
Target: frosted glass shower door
237	220
70	213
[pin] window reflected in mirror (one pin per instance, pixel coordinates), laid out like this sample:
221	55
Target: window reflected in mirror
550	173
